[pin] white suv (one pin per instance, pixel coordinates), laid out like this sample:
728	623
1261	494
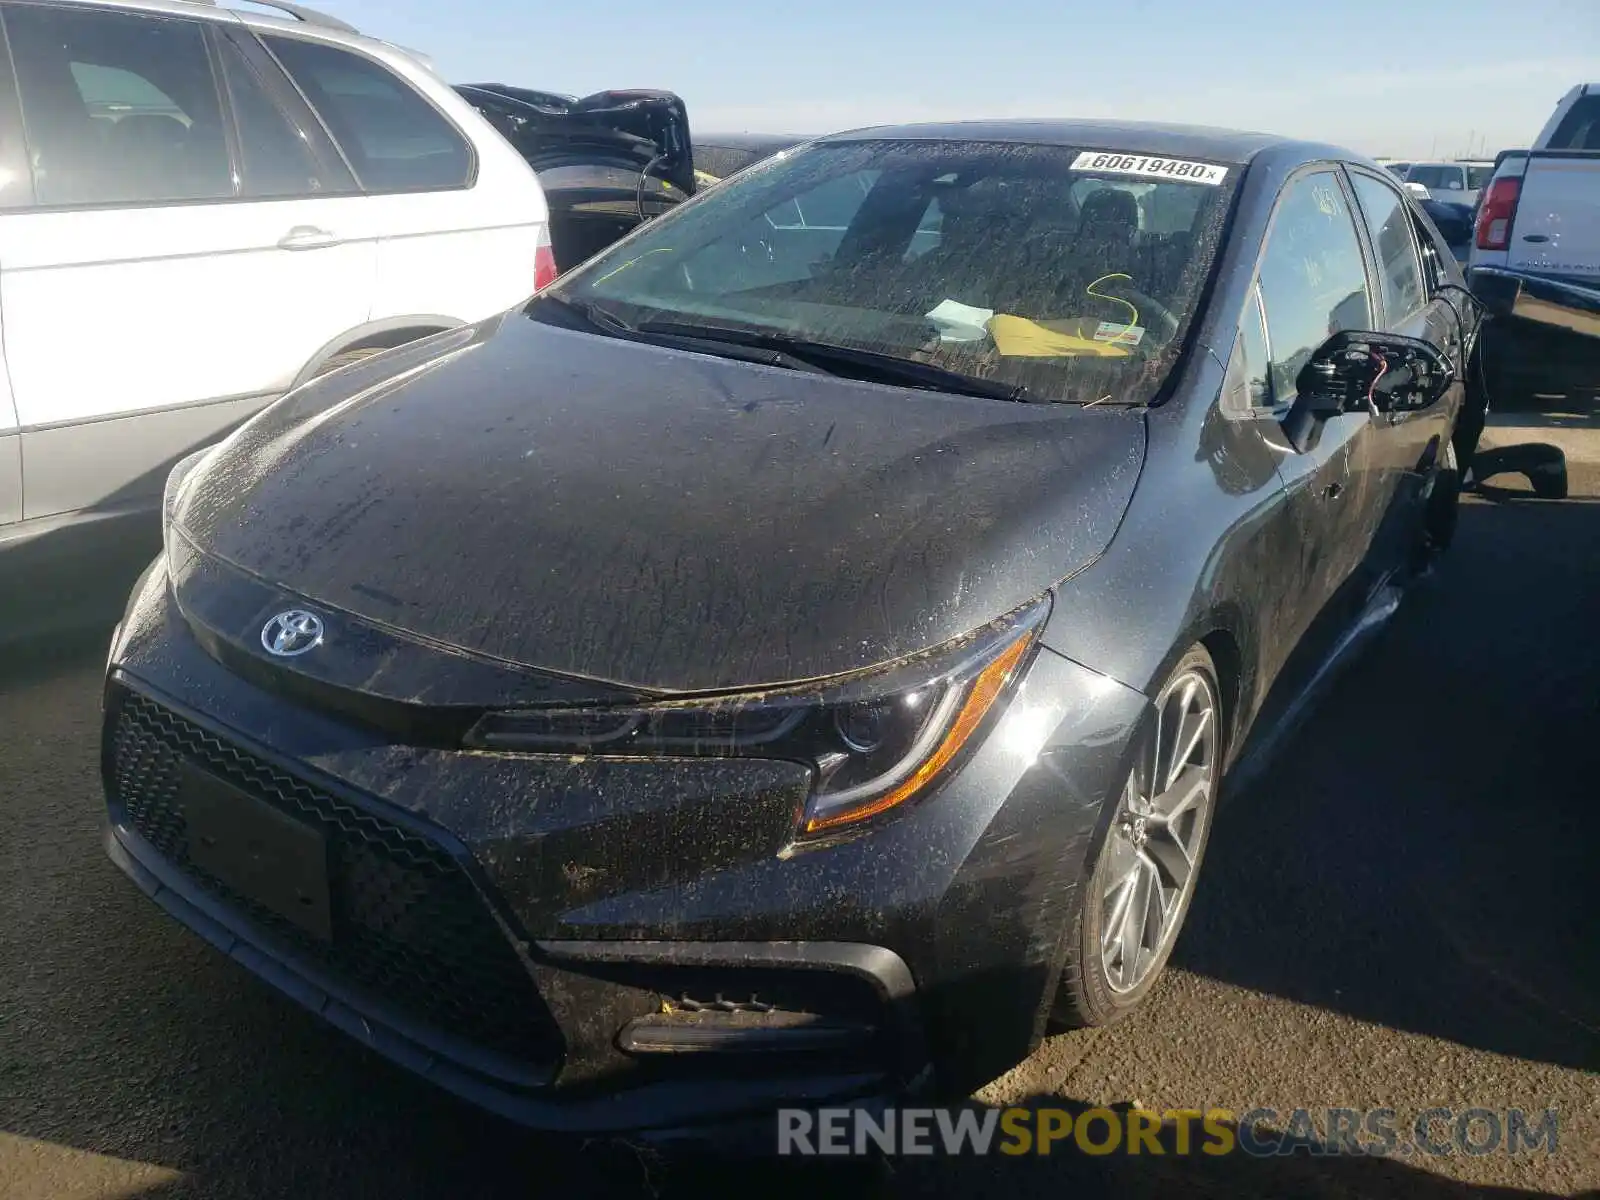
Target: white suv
201	208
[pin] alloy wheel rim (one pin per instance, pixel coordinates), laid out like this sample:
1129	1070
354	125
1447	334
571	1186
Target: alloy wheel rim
1155	837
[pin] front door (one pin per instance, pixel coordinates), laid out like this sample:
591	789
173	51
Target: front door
1313	283
10	456
1413	306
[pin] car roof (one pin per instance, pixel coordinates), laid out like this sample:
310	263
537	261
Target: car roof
274	12
1235	146
754	142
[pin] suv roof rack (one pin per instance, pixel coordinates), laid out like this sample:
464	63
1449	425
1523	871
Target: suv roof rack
299	12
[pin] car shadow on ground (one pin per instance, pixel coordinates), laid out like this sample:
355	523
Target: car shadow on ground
1164	1167
1420	853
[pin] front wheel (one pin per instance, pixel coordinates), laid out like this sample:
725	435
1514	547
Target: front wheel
1128	913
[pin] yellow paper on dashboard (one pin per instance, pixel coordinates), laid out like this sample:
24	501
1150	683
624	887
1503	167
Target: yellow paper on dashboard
1018	337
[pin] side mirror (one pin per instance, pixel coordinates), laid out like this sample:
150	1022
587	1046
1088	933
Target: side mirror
1359	371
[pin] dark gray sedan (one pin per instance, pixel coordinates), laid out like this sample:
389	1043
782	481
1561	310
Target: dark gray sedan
798	655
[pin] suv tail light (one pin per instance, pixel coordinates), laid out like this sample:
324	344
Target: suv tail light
1496	213
544	262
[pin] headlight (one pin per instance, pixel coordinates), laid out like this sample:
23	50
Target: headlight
874	739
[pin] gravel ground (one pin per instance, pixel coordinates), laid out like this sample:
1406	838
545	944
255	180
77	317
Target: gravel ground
1398	915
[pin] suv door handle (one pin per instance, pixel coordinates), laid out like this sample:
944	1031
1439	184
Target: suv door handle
307	237
1333	491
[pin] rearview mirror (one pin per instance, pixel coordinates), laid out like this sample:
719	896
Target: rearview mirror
1362	371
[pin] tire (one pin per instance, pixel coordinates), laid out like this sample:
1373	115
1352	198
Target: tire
1098	985
346	359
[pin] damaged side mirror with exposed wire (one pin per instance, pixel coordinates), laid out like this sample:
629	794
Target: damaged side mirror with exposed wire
1363	371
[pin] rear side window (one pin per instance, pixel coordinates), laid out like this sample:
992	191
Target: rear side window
118	108
1580	128
278	159
1313	277
395	140
1390	226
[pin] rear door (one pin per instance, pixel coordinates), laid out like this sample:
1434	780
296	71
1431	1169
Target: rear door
162	286
449	232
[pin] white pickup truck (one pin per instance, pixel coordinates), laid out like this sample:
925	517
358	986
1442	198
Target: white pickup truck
1535	260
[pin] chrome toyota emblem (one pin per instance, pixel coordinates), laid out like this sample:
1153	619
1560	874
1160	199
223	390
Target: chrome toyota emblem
291	633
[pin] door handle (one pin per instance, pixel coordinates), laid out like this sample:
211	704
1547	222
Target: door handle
1333	491
307	237
1535	237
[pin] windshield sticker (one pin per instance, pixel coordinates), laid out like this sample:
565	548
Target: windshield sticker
1118	335
1150	167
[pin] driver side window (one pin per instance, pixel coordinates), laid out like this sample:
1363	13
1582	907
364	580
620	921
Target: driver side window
1313	278
1248	388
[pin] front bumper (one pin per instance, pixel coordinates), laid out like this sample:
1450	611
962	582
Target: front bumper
545	938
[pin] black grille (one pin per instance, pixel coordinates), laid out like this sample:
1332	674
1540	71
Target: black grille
409	927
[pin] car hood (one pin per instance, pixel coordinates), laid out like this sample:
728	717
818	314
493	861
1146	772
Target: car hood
536	498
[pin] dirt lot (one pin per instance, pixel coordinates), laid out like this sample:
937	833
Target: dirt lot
1400	915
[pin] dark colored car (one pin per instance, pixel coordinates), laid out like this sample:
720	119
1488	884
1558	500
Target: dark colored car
752	674
1454	222
607	162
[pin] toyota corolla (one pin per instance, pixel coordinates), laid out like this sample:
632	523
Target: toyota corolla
797	656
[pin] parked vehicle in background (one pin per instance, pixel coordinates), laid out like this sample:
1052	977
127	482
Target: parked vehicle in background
607	162
719	155
1454	222
1459	181
1535	260
800	651
1398	167
200	209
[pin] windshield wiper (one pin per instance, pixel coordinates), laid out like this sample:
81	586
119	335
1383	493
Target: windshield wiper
602	320
596	316
848	361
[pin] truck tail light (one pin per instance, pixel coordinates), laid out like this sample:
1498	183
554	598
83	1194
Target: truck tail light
544	262
1495	214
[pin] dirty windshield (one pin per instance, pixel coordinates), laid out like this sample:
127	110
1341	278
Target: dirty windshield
1070	273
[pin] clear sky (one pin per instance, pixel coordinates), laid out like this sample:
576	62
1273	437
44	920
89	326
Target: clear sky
1404	78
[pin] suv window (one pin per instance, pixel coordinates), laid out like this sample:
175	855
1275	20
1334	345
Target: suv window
277	156
1313	279
1390	226
395	140
117	107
